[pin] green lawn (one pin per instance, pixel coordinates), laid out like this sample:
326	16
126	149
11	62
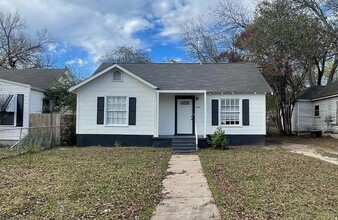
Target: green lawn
257	183
74	183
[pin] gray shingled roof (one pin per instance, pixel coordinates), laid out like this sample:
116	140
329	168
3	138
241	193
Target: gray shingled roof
227	78
37	78
316	92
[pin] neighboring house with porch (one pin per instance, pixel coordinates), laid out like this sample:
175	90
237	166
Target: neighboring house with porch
22	93
167	104
315	105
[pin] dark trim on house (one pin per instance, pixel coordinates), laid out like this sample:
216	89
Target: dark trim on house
19	109
167	141
236	140
84	140
214	112
193	113
245	112
132	111
100	111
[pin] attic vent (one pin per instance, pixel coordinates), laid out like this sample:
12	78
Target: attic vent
117	76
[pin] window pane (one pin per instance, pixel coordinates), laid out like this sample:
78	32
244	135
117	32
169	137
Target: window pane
116	110
7	118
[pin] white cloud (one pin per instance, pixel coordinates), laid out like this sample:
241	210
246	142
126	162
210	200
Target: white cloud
97	26
136	25
56	48
77	61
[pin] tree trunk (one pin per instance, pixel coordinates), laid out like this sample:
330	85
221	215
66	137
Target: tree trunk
321	69
333	70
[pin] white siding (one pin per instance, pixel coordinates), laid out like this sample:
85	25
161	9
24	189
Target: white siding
102	87
199	113
302	117
257	115
167	113
326	107
11	132
36	101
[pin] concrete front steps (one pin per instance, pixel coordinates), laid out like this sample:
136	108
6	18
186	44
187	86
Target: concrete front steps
184	144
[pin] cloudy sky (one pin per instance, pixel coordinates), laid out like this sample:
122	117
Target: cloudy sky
85	29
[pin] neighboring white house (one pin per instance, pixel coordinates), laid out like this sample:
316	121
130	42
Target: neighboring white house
314	106
153	104
22	93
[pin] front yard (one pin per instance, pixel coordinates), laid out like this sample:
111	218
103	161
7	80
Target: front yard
124	183
264	183
74	183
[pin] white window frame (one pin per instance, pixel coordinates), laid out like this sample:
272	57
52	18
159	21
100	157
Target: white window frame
117	80
314	111
220	112
106	114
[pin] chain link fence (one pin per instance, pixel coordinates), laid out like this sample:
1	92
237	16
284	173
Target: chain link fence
35	139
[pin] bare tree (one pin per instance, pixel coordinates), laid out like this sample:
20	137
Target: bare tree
17	48
125	54
199	41
326	12
211	41
231	15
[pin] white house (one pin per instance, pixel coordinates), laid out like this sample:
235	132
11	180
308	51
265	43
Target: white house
161	104
22	93
314	106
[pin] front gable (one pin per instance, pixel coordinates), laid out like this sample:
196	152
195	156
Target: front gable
110	71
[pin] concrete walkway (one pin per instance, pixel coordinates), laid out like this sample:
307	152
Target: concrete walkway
186	192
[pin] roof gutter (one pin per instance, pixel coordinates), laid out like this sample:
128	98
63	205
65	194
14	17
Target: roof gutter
325	97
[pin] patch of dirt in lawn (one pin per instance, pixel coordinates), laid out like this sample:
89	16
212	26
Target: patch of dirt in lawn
324	148
325	155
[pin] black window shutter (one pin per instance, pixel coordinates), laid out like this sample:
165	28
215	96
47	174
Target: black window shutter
100	110
245	112
214	112
132	111
19	110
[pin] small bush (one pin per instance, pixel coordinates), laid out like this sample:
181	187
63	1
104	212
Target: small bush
219	140
118	144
